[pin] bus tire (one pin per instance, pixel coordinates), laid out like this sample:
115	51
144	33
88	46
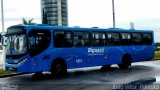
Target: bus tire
126	62
58	68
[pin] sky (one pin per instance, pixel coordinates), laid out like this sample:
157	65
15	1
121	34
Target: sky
92	13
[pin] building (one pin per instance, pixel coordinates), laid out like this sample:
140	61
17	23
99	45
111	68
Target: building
54	12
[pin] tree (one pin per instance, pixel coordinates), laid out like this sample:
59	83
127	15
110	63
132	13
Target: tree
29	22
157	44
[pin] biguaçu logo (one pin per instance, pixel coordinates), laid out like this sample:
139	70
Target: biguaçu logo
96	51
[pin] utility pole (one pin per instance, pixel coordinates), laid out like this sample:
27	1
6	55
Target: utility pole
2	18
113	11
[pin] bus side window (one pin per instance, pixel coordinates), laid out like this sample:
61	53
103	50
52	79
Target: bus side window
98	39
59	40
126	39
62	39
147	38
81	39
137	39
113	39
69	39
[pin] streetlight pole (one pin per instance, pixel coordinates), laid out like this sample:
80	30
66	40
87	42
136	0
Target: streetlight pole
2	15
113	11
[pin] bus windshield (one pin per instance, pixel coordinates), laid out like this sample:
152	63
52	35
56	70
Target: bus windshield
16	44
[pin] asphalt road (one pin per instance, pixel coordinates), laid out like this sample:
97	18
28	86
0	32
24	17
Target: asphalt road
88	79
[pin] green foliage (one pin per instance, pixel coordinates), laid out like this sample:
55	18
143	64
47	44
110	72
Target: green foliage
24	21
29	22
157	44
157	55
157	49
2	73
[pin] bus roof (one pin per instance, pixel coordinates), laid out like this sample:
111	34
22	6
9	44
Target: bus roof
77	28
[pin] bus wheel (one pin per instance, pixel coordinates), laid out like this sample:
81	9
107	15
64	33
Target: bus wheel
59	68
126	62
106	67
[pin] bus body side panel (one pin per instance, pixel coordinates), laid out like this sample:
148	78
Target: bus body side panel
91	56
66	54
74	57
143	53
115	54
111	55
87	57
24	64
96	56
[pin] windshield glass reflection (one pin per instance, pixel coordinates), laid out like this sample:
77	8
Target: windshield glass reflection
16	44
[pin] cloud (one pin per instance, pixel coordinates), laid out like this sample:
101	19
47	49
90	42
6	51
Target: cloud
89	13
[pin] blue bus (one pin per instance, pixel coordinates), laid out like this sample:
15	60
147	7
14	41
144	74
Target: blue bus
39	48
